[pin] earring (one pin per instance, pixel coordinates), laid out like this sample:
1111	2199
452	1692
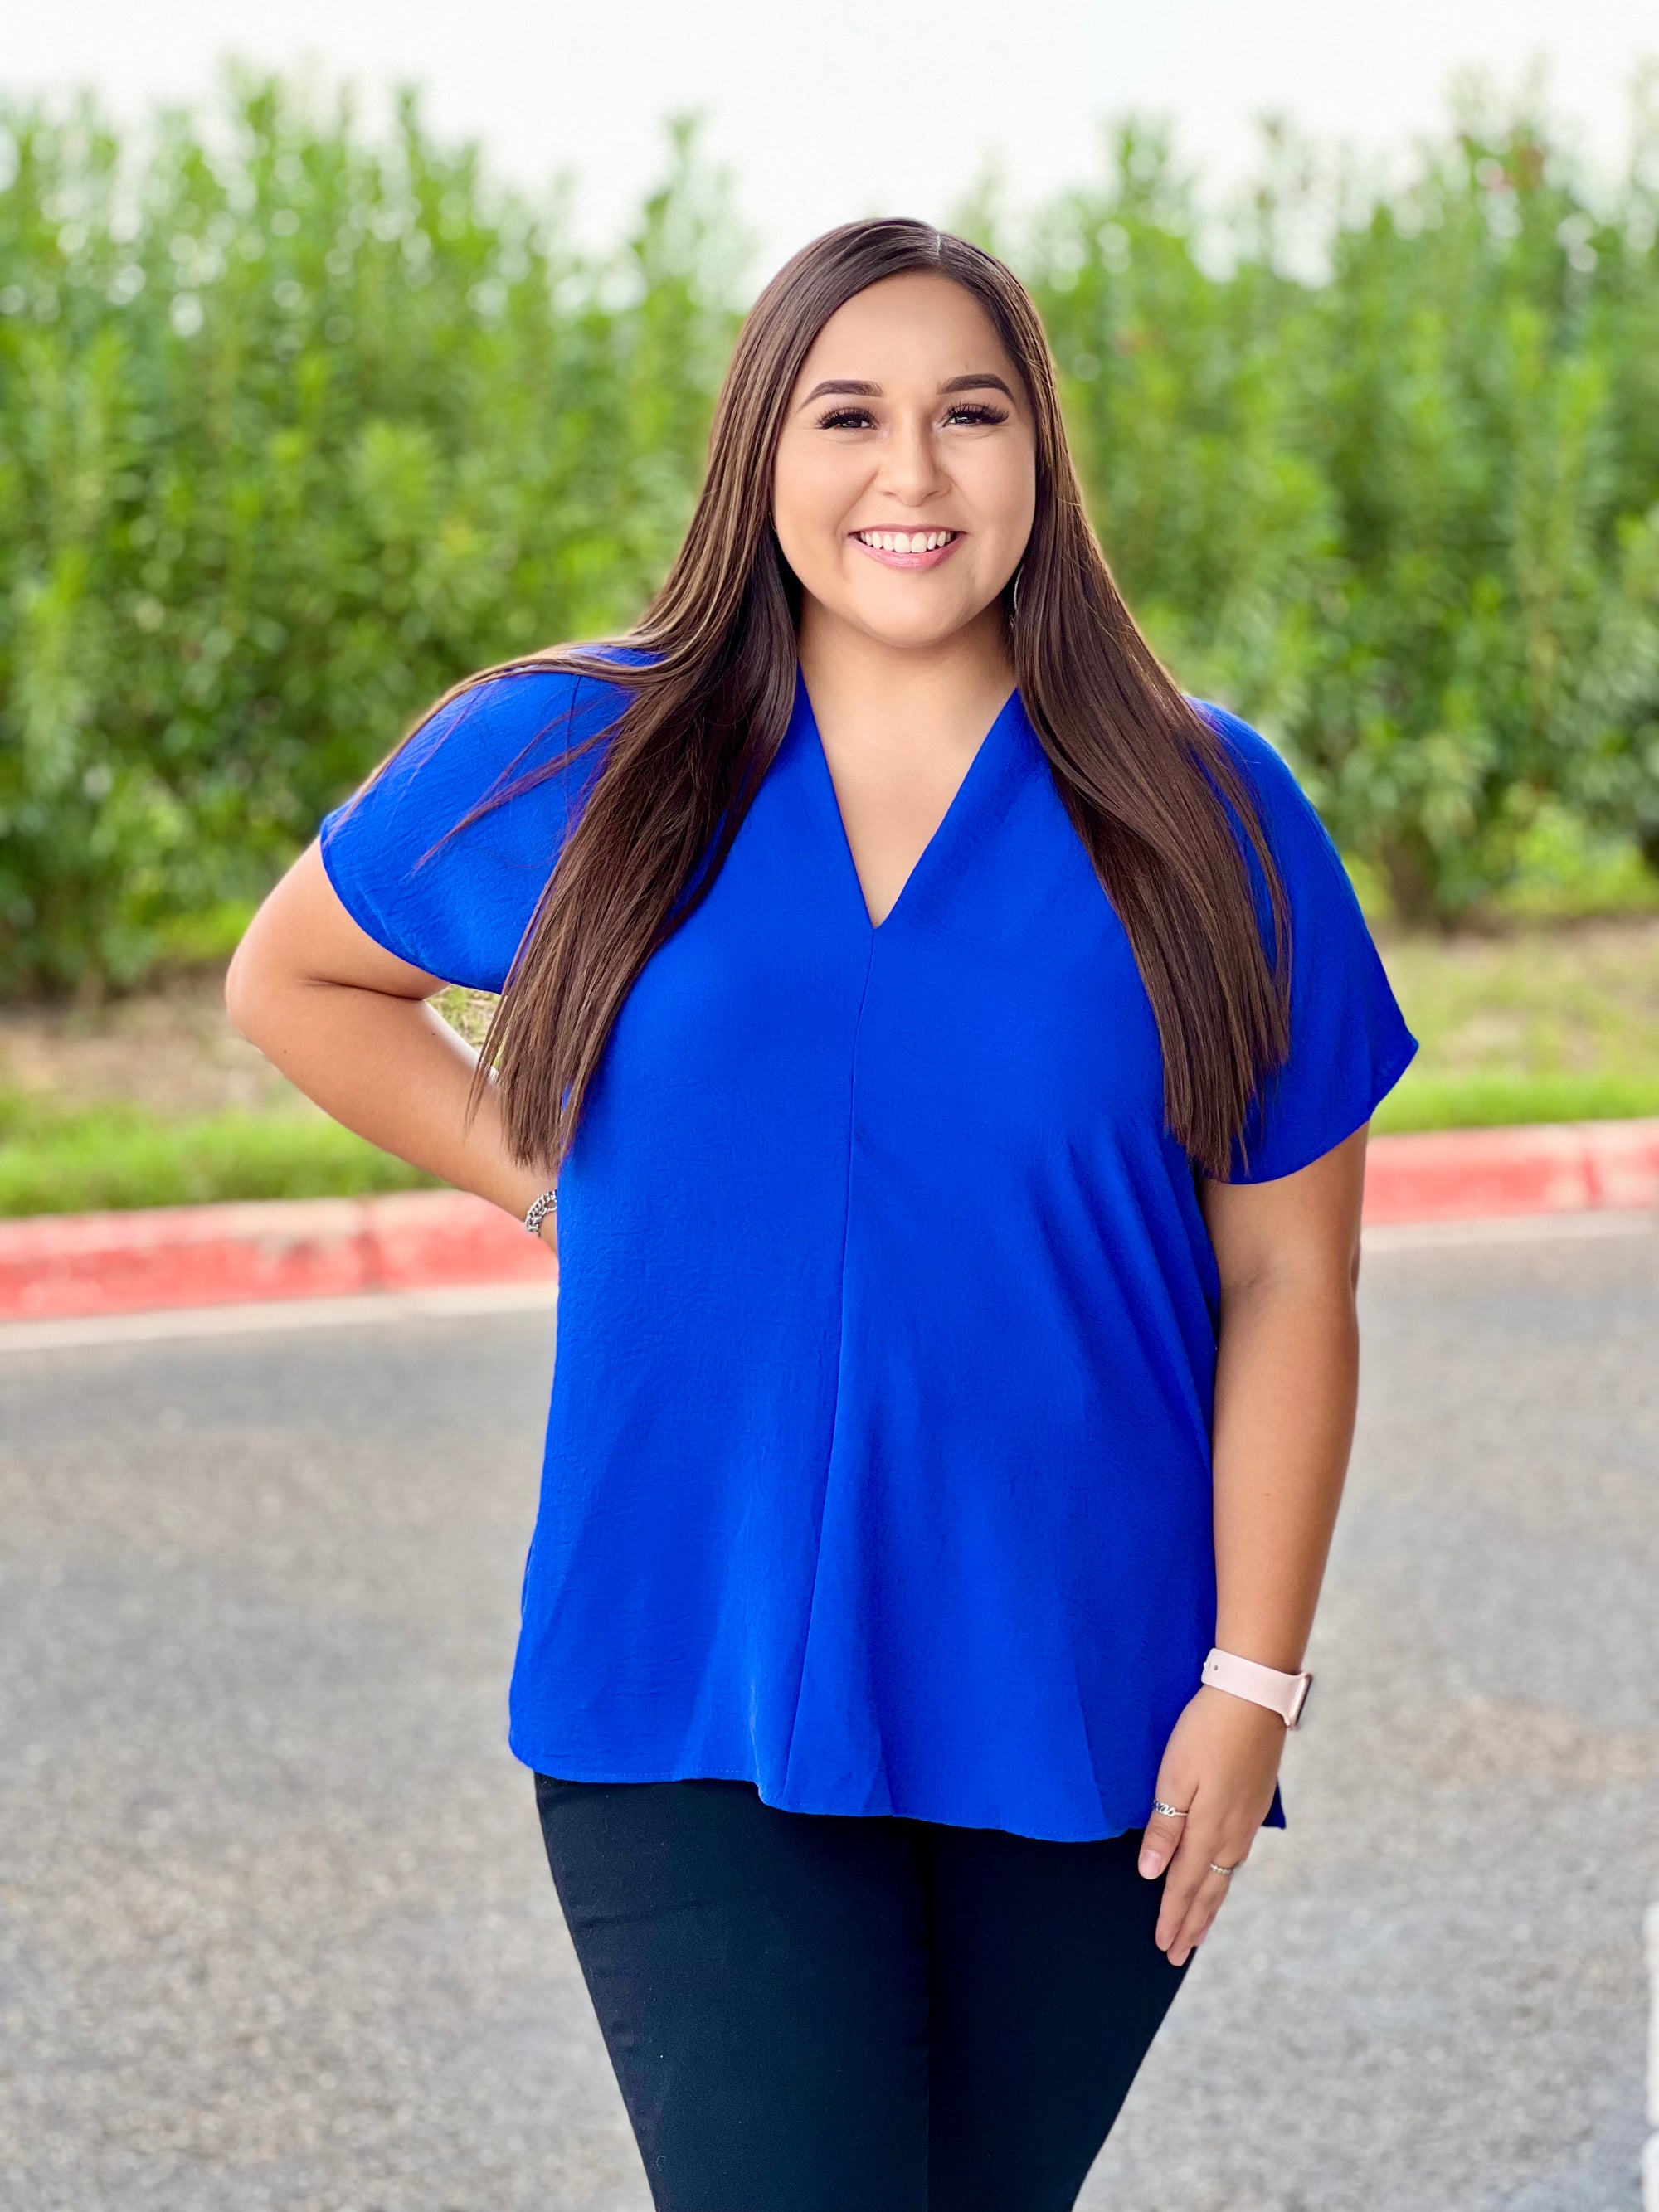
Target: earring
1018	573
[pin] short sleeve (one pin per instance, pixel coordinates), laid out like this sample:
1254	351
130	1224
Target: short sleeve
1349	1044
458	906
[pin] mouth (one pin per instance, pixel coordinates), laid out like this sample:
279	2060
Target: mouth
909	548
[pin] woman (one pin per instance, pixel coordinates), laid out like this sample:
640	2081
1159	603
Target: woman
954	1049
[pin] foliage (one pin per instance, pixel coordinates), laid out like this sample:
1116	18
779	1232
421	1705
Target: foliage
296	427
1404	513
294	431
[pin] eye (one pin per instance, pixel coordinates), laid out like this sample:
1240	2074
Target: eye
976	412
845	418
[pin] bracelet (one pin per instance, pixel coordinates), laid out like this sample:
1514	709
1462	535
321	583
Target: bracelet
539	1209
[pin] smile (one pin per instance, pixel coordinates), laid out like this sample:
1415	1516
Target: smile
908	549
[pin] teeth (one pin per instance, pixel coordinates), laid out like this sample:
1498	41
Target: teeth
907	541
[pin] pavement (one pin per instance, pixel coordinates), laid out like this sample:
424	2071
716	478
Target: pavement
276	1930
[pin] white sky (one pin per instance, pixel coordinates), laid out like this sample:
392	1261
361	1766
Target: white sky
853	106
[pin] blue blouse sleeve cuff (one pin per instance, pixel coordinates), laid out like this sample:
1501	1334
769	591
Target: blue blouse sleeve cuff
1268	1162
354	895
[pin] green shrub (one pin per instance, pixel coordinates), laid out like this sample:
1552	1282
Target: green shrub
292	432
1404	514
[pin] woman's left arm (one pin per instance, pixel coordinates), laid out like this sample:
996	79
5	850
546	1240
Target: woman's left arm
1287	1371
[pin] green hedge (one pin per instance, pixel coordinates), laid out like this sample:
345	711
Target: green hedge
1407	516
1403	516
296	426
294	432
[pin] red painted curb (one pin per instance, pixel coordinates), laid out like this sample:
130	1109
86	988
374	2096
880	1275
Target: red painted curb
1471	1174
63	1267
59	1266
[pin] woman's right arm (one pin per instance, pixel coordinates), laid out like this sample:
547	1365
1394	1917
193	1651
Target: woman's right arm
347	1023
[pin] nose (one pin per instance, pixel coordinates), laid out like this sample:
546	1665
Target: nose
912	468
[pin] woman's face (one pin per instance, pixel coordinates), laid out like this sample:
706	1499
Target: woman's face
906	476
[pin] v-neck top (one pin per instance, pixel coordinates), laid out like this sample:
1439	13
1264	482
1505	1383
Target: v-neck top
878	1466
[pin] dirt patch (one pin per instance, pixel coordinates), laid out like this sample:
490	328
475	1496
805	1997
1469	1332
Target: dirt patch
173	1051
1575	997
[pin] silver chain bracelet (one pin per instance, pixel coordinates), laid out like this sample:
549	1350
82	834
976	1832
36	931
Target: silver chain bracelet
539	1209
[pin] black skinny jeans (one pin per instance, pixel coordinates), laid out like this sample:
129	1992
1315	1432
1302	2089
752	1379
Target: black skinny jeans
812	2013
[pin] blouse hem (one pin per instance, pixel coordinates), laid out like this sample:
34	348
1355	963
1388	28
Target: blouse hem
562	1768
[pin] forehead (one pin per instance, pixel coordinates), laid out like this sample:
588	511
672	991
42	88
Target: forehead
920	325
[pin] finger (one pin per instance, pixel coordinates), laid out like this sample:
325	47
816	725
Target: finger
1207	1896
1181	1885
1191	1880
1161	1839
1200	1919
1195	1922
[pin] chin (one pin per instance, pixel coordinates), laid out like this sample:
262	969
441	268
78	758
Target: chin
912	631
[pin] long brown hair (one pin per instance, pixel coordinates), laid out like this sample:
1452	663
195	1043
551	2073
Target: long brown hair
1145	780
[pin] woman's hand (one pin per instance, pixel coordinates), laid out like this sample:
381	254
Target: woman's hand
1219	1766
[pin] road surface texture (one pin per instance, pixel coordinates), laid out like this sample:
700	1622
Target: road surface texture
276	1930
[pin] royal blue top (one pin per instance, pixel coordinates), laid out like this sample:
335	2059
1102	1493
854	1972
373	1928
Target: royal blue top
878	1463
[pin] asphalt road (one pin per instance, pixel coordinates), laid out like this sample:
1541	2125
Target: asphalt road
277	1933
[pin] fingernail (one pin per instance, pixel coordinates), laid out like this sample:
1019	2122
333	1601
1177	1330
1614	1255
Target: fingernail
1151	1860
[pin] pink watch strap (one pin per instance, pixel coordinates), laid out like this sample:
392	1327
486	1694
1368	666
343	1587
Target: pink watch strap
1285	1694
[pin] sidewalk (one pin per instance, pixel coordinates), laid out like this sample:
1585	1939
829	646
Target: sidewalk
63	1267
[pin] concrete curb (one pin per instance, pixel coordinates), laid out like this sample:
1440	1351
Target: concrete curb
66	1267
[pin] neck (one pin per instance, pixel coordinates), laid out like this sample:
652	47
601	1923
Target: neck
941	691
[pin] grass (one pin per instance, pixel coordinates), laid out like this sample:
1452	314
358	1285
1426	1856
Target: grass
1495	1099
109	1158
1539	1023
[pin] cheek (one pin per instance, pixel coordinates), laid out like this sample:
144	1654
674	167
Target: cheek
1003	488
810	493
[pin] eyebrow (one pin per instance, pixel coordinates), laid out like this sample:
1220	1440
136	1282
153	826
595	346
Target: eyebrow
860	388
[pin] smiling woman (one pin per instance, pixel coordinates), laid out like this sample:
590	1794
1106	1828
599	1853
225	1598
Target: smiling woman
931	473
957	1184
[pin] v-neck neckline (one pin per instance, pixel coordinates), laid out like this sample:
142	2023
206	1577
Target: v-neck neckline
963	799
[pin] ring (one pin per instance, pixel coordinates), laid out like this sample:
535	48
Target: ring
1214	1869
1171	1812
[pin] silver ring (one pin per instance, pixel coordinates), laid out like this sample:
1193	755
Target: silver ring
1171	1812
1214	1869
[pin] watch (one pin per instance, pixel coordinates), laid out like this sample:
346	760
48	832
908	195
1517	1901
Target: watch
1283	1694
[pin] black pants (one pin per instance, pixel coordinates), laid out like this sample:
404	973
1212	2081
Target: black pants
809	2013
